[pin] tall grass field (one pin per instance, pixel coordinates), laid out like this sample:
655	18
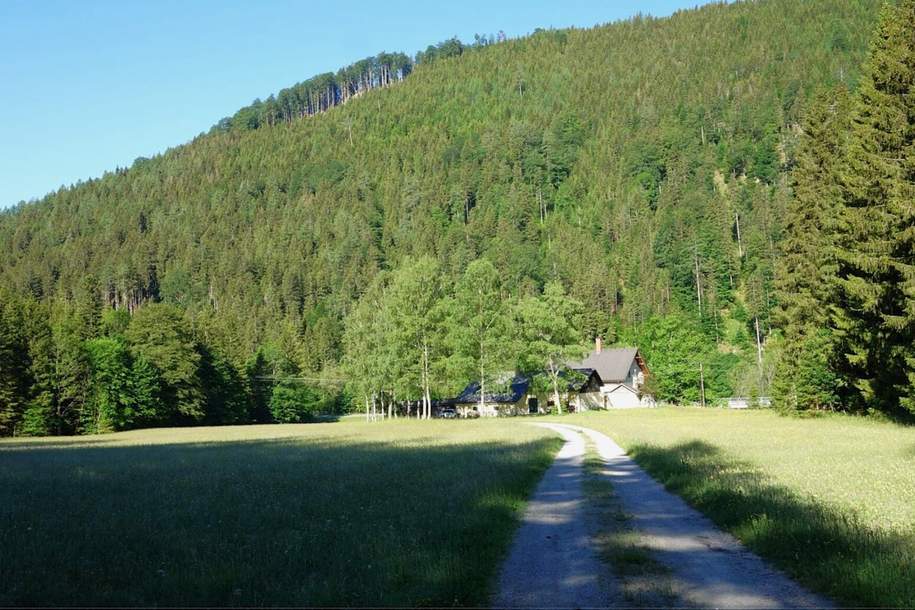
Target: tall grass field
831	500
348	513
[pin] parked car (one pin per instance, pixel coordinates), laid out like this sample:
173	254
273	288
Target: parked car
447	413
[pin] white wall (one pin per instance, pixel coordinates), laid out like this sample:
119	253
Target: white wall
621	398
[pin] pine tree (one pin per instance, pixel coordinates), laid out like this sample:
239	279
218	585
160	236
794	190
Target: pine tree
13	365
40	410
805	275
71	368
875	315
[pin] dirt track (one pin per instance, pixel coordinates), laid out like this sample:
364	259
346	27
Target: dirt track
554	561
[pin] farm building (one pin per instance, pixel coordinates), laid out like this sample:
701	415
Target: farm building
623	373
514	396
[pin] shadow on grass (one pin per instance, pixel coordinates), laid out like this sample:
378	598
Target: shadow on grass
831	551
261	522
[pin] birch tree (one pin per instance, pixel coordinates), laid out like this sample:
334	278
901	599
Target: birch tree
412	309
551	335
366	347
480	330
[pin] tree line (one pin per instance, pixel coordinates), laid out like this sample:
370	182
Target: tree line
847	275
79	367
324	91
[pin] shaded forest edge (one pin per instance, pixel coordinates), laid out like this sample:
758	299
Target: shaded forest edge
220	282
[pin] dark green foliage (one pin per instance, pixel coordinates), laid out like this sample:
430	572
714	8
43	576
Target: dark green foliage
674	346
257	371
847	281
13	364
805	276
293	402
323	92
648	179
806	376
159	335
875	313
225	399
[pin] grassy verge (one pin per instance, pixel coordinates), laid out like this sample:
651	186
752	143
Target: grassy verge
399	513
831	501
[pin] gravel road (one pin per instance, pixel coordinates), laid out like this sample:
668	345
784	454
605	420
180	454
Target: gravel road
554	563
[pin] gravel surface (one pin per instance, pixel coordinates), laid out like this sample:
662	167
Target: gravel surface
553	562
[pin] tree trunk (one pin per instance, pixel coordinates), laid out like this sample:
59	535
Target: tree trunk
739	243
698	285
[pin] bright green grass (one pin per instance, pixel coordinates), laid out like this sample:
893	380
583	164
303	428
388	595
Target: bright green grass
831	500
350	513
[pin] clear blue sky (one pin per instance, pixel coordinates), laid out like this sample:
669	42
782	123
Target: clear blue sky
86	86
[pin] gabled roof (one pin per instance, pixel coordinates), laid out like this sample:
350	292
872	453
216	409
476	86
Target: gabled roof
624	386
611	364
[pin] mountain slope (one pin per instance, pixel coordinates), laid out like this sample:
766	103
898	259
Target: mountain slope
619	159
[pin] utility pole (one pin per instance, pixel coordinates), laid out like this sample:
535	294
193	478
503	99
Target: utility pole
701	385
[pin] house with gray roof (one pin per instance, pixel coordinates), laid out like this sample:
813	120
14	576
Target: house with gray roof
512	394
623	372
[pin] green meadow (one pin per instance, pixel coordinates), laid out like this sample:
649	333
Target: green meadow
346	513
421	513
831	500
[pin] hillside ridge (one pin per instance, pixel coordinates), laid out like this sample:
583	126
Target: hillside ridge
585	156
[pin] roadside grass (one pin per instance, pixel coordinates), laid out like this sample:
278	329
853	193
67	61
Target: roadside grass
643	581
400	513
829	500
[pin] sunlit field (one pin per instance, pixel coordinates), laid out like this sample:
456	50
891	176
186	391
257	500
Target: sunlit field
347	513
831	500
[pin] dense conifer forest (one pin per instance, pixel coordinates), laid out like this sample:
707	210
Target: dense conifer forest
682	184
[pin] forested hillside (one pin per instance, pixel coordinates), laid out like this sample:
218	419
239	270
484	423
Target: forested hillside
642	165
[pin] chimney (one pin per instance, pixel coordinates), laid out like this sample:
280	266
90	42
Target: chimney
598	345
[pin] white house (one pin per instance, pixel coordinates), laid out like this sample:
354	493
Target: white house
623	372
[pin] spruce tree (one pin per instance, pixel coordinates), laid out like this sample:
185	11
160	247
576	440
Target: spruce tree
805	275
13	365
875	313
